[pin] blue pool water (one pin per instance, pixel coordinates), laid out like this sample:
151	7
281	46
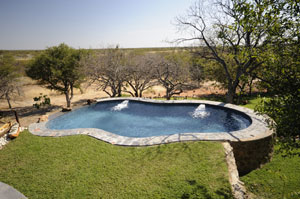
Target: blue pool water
142	119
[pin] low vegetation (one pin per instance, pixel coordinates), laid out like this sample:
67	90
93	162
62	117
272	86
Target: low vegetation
83	167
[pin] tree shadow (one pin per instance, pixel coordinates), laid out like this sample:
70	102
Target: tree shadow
202	191
81	102
155	151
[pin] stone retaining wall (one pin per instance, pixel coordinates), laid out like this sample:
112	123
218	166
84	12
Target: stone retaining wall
250	155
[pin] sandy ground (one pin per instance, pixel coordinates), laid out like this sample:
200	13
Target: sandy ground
23	104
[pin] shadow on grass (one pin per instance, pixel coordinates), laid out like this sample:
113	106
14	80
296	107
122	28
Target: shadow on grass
200	190
173	149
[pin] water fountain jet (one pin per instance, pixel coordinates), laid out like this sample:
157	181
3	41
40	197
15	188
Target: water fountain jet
120	106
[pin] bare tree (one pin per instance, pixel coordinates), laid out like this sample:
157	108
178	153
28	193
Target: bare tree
233	38
9	89
106	68
139	74
172	73
9	84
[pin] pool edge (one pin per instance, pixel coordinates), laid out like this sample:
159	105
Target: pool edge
257	130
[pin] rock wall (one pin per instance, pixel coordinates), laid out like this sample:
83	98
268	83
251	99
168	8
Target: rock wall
237	186
250	155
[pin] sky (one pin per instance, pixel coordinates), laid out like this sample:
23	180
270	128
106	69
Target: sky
38	24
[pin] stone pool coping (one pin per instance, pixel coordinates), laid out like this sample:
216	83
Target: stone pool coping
257	130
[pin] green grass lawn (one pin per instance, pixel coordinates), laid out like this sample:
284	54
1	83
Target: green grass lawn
278	179
83	167
252	103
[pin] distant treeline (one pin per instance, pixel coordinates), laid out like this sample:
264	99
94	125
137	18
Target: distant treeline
28	54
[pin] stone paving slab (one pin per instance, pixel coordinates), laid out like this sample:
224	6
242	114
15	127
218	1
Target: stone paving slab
257	130
8	192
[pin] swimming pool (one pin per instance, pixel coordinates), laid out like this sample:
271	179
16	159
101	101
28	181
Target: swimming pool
257	129
132	118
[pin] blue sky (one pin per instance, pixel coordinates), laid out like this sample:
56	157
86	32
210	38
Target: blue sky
37	24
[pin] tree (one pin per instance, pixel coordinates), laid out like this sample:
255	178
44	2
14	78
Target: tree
58	68
139	74
107	69
172	73
281	74
196	70
9	84
234	40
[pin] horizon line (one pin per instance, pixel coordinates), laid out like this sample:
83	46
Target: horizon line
98	48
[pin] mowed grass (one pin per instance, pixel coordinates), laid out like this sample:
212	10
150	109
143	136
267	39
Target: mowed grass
278	179
83	167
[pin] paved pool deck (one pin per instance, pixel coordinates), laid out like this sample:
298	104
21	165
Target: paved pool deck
8	192
257	130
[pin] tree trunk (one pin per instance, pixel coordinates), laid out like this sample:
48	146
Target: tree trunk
113	92
17	117
229	97
108	93
8	100
119	90
168	96
250	87
230	93
141	94
68	99
72	93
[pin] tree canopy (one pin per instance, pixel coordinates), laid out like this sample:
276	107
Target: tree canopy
139	73
234	39
58	68
172	72
281	74
107	70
